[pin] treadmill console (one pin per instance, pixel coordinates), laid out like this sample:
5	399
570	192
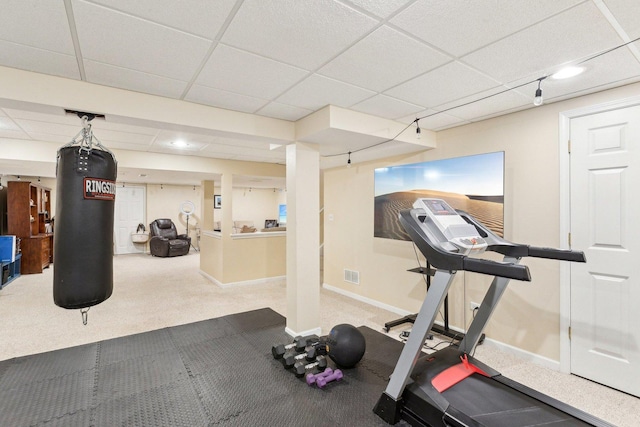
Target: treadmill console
461	236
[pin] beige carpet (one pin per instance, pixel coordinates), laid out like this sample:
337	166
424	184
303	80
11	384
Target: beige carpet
151	293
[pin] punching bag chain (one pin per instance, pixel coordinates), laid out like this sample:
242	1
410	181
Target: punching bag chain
85	315
87	140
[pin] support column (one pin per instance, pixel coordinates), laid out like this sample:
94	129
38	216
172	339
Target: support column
303	239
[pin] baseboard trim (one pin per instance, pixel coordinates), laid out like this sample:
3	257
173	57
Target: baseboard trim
262	281
315	331
507	348
369	301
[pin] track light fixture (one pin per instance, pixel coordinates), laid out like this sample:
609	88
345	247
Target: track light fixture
537	100
349	160
418	131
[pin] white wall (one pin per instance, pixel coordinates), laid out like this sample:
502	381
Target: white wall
164	201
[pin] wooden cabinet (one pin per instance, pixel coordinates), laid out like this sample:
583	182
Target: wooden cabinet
28	212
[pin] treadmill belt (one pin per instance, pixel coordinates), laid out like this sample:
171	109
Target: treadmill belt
493	404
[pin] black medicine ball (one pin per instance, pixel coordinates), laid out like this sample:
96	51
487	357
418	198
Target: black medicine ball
345	345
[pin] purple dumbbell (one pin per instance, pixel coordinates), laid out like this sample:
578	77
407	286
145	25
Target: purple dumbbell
312	378
335	376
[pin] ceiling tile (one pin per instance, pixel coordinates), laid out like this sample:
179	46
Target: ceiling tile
30	126
282	111
105	135
36	23
380	8
114	38
308	34
220	98
495	102
69	119
167	136
38	60
576	33
627	13
317	91
245	73
7	124
13	134
387	107
123	78
447	83
201	17
615	66
49	137
383	59
461	26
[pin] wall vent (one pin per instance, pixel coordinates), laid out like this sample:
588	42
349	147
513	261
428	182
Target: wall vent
352	276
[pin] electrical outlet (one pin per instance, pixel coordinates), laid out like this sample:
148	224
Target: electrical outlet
473	305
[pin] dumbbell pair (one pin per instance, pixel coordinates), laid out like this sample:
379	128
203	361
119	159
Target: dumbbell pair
322	378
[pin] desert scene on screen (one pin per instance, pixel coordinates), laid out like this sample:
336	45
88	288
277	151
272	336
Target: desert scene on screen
486	209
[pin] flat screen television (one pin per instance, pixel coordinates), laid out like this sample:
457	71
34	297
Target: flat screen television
474	184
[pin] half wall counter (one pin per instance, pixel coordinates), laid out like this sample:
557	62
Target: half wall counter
243	258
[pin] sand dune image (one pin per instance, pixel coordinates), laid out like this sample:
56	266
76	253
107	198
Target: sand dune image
487	210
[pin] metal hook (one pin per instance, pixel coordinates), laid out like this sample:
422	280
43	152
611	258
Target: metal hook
85	315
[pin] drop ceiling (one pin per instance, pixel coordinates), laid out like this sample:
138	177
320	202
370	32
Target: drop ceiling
286	59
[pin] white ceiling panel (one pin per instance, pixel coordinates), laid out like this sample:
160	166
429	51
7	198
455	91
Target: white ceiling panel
13	133
627	13
387	107
476	23
36	23
50	137
200	17
7	124
112	37
317	91
383	59
395	59
495	102
166	136
447	83
223	99
137	81
306	36
620	65
380	8
47	127
529	51
248	74
127	137
283	111
38	60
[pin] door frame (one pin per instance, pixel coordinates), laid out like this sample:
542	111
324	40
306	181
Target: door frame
564	134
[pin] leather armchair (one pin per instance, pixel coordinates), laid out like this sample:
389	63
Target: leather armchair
165	240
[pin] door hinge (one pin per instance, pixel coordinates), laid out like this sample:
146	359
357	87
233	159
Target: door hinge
569	146
569	332
569	238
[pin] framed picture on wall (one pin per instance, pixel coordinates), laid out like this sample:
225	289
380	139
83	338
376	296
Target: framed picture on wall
217	201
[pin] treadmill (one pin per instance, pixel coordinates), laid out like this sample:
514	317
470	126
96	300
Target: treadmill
450	387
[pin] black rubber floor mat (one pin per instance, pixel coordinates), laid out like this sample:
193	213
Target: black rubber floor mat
215	372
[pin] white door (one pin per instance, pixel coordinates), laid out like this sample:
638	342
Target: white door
130	204
605	212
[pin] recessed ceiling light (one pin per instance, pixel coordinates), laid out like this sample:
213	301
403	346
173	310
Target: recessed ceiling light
179	144
567	72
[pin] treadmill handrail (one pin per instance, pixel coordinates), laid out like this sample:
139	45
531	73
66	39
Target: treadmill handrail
450	261
504	247
494	268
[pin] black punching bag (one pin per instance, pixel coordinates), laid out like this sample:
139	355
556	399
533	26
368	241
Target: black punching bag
83	235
